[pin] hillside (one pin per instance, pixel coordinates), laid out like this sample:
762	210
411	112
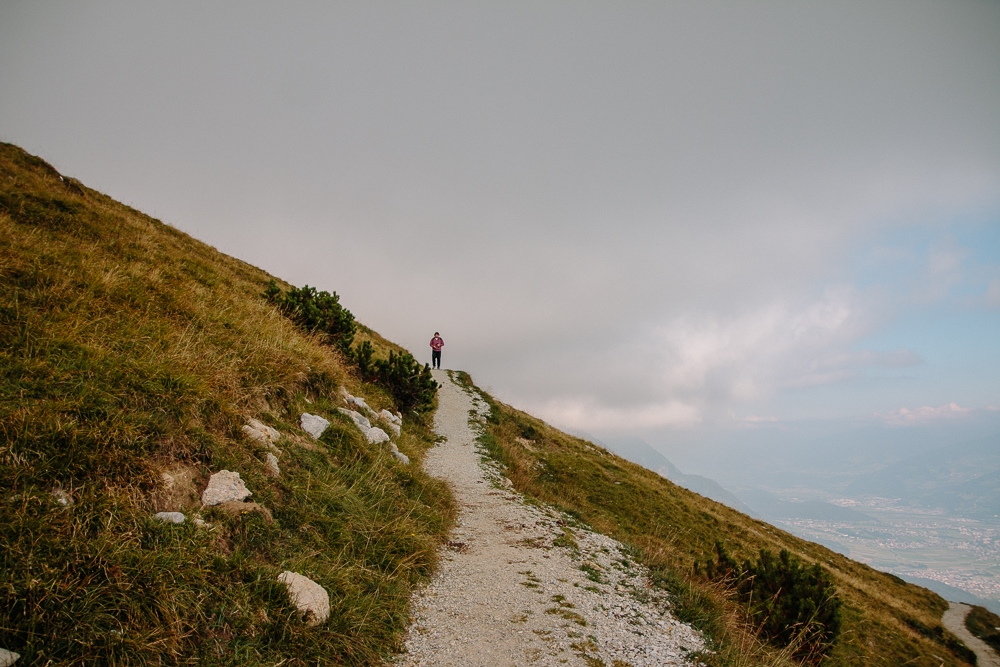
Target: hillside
129	350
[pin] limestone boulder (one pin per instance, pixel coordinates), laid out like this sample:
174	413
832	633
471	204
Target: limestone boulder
169	517
8	658
224	486
376	435
308	597
314	425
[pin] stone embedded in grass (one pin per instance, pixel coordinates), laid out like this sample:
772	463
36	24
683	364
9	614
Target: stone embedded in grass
8	658
224	486
271	465
376	435
395	423
359	419
169	517
309	597
262	433
399	455
314	425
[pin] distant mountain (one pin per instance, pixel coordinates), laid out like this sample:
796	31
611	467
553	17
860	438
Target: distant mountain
771	506
639	451
962	479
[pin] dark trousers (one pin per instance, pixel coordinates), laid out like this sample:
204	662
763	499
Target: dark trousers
435	358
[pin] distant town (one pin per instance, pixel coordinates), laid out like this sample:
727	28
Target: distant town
915	544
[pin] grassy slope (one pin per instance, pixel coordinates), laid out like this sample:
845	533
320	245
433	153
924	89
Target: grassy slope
886	621
128	348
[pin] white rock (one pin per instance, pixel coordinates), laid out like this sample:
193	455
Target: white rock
391	418
359	419
402	457
224	486
376	435
395	429
62	497
262	433
169	517
314	425
201	523
8	658
271	465
309	597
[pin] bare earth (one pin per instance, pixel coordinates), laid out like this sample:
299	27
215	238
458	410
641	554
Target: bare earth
954	620
506	595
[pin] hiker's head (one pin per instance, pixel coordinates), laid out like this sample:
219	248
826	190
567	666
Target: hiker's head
436	333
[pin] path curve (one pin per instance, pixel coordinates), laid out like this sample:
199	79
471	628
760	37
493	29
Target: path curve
506	595
954	621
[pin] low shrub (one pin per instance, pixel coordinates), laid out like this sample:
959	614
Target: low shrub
411	385
318	312
794	604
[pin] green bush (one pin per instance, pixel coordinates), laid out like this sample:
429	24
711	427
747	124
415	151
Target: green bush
314	311
793	604
411	385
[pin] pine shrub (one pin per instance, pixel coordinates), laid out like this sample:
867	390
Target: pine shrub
318	312
411	385
793	604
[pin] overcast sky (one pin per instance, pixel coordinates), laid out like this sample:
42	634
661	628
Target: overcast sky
624	217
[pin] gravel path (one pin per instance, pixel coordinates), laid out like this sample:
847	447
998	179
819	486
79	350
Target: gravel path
954	620
505	594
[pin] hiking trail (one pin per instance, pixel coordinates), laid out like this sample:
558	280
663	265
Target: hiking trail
520	583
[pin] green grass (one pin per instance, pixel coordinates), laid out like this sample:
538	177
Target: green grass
984	624
885	620
128	349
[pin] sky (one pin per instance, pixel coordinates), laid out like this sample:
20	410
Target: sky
666	219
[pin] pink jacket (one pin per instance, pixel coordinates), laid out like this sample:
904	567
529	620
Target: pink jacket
437	343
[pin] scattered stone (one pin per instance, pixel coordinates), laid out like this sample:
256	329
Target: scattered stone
391	418
169	517
271	465
234	507
359	419
376	435
8	658
314	425
399	455
263	434
309	597
62	497
201	523
224	486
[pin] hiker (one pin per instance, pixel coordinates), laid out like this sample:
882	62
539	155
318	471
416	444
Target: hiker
436	345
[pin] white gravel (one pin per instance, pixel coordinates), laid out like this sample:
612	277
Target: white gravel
506	595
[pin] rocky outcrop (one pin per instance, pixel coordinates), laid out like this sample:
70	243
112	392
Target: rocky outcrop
308	597
224	486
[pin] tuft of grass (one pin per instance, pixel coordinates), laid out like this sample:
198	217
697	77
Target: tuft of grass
127	349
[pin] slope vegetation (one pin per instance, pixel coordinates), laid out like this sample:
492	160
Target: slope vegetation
129	350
